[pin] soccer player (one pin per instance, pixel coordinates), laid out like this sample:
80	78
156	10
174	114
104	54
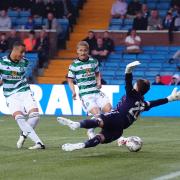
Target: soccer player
18	95
85	71
128	109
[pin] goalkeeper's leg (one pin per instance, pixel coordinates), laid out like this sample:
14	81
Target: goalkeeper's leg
89	143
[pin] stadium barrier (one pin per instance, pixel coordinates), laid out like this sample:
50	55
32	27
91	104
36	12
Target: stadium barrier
57	100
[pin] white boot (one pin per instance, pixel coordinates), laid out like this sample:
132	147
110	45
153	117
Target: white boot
67	122
72	147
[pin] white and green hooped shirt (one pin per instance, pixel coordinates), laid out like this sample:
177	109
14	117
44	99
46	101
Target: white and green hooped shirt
84	74
13	75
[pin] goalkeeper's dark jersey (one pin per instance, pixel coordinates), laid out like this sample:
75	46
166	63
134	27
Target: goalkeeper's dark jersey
127	111
132	104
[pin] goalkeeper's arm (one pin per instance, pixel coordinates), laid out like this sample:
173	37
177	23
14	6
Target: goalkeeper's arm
174	96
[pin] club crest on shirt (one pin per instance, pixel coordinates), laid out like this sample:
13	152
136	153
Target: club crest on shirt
88	71
14	73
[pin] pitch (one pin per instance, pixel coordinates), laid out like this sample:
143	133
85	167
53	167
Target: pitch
159	155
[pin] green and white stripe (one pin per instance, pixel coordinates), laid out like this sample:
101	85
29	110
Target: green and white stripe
84	74
13	76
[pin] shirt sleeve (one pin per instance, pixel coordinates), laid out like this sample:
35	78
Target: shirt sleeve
128	83
158	102
138	38
127	39
71	72
96	66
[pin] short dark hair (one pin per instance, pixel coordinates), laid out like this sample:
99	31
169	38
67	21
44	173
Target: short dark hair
143	86
18	43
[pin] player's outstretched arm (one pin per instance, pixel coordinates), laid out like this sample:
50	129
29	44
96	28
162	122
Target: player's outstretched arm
174	96
128	76
72	87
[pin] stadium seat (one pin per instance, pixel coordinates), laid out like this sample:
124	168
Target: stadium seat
148	48
24	13
144	57
116	21
12	13
158	57
151	5
115	27
151	74
38	21
129	56
21	21
119	48
128	21
162	13
126	27
163	5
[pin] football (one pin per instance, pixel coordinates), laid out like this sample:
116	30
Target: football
134	143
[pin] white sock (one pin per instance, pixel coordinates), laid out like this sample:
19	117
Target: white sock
33	119
27	129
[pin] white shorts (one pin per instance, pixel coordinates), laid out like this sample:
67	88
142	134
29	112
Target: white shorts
21	101
91	101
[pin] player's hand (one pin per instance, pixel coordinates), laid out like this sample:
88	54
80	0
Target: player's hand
131	66
74	95
175	95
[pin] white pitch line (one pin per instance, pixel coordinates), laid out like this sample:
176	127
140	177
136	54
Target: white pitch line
168	176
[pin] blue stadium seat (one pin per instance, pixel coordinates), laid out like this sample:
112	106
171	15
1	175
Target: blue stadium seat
163	5
138	73
75	2
162	48
24	13
12	13
38	21
151	5
13	20
151	73
116	22
119	48
148	48
144	57
21	21
114	27
126	27
128	21
112	64
174	48
108	73
158	57
116	82
32	55
114	56
162	13
129	56
155	64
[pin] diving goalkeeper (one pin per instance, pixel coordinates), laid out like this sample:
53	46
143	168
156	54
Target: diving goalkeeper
127	111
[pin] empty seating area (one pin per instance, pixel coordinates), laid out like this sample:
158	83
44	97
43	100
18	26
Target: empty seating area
154	60
32	66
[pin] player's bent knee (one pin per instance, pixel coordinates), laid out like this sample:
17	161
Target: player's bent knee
18	117
107	108
94	141
34	115
17	113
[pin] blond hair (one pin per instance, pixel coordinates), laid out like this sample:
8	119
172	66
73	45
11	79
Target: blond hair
83	43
